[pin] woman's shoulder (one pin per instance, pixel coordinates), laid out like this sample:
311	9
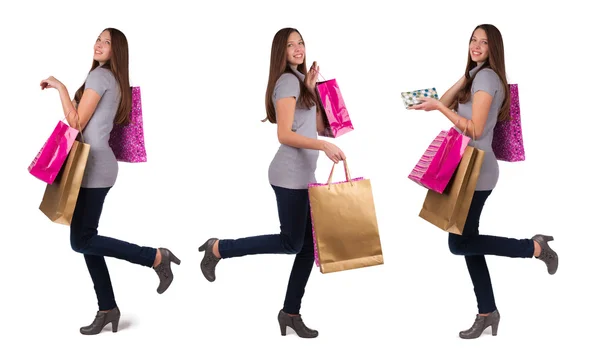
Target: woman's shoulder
288	77
487	74
101	73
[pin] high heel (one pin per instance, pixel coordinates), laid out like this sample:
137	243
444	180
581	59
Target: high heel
495	327
102	320
209	261
296	323
547	255
163	270
481	323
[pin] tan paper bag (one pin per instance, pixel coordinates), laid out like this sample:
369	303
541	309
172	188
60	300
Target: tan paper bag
60	197
448	211
345	226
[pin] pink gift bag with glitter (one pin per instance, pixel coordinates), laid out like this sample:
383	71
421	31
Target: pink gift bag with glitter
335	114
127	141
507	142
440	160
51	157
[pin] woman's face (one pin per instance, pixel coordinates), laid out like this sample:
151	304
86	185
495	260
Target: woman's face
103	48
295	50
478	48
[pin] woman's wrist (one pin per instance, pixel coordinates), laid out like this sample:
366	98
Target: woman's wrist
322	145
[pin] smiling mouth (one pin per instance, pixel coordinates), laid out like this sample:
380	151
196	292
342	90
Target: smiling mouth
476	53
98	52
298	56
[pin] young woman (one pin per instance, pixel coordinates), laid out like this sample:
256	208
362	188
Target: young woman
104	99
291	103
482	97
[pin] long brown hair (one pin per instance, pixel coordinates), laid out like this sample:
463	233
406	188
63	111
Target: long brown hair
119	66
495	62
279	65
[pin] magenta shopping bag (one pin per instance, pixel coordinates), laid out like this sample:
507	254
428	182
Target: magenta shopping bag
439	162
507	142
127	141
51	157
336	117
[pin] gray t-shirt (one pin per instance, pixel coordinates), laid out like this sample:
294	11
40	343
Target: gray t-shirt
101	169
294	168
486	80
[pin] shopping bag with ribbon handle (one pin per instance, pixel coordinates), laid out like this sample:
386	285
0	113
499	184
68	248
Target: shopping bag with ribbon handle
438	163
60	197
333	109
507	142
448	211
345	229
127	140
51	157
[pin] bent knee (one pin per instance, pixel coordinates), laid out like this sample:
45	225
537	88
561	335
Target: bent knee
291	247
455	244
77	244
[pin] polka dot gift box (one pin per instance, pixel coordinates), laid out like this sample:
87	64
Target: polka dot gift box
411	98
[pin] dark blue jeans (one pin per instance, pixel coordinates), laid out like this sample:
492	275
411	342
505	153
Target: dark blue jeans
474	246
85	240
295	237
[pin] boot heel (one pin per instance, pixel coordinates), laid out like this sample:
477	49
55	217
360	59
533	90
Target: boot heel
115	325
283	328
495	328
203	247
175	260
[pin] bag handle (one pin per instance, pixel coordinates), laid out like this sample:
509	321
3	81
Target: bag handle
78	124
467	128
324	79
347	171
464	132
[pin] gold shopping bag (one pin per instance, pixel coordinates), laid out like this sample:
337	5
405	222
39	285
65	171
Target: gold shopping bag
60	197
448	211
345	229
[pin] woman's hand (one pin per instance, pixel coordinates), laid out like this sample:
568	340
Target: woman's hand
334	153
311	77
51	82
427	104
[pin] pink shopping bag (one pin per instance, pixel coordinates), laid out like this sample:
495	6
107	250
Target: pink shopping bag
439	162
127	141
51	157
507	142
336	117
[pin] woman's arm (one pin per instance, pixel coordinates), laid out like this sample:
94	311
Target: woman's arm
450	95
285	108
85	109
320	115
482	101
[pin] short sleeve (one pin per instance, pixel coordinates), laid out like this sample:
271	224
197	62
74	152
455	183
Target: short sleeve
486	80
287	85
98	80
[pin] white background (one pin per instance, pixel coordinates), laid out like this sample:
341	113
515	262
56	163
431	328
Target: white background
203	72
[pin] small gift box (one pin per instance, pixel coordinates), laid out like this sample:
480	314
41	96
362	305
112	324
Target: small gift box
411	98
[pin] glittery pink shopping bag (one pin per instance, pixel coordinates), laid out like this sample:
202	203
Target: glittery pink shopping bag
439	162
507	143
127	141
335	114
51	157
